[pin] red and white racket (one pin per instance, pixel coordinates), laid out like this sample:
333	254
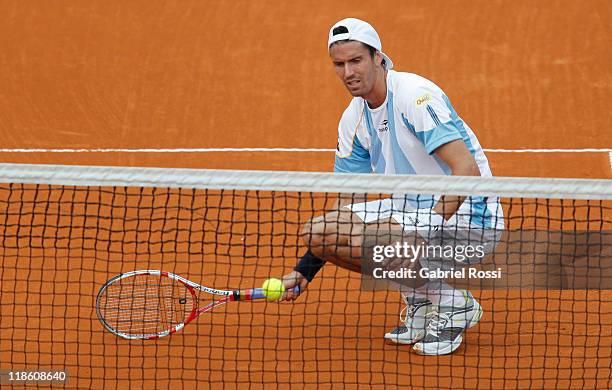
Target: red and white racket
149	304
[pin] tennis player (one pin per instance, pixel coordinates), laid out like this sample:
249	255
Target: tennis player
402	123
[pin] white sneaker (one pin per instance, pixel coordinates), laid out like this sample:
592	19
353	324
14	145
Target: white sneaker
445	327
414	319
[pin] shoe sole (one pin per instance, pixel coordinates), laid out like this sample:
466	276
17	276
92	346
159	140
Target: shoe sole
444	351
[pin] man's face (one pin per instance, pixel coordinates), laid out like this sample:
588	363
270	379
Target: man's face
355	66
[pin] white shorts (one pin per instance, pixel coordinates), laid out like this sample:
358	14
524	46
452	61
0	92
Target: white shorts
457	231
384	209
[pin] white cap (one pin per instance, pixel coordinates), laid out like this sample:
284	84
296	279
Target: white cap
358	30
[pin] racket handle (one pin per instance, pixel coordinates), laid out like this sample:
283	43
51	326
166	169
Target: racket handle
257	293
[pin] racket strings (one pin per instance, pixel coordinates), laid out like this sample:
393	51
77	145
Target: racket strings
146	304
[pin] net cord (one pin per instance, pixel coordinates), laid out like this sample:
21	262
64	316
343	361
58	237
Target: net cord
515	187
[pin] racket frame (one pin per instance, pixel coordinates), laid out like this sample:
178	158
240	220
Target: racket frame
192	287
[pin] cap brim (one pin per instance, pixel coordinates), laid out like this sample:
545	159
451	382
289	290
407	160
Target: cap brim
389	63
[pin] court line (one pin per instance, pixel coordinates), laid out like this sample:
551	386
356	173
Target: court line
270	150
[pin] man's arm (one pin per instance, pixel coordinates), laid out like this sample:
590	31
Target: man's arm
458	158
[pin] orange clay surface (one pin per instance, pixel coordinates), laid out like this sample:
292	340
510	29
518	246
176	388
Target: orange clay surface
193	74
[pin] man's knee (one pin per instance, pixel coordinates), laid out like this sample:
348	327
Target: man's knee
314	234
325	233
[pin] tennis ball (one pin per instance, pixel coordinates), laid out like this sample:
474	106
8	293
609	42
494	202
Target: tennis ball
273	289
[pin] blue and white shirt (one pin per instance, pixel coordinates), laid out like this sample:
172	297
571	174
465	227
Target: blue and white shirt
400	137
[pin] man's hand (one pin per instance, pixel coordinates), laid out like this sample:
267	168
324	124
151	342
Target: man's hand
291	280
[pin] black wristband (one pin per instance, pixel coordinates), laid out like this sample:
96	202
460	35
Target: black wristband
309	265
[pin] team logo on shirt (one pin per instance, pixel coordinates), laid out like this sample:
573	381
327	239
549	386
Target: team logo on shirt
383	126
423	99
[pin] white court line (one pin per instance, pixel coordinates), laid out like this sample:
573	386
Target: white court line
273	150
587	150
173	150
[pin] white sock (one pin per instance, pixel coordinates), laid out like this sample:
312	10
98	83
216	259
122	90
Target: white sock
411	294
442	294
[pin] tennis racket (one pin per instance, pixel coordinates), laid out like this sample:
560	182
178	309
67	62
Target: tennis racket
149	304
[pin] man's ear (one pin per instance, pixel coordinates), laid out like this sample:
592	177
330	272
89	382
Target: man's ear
379	58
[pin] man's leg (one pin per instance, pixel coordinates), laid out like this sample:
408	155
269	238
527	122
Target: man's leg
339	237
456	309
330	237
336	237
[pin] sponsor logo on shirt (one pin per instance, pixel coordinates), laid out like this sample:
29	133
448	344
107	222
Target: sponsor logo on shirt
423	99
383	126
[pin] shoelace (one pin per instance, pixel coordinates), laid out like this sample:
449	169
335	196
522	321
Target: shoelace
407	311
437	321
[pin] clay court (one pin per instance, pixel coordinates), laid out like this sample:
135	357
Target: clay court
99	78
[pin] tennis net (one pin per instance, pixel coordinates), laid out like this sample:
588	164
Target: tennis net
66	230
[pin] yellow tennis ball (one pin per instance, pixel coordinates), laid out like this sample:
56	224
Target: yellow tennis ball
273	289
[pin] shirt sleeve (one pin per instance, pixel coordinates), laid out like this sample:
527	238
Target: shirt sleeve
431	118
358	161
352	156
